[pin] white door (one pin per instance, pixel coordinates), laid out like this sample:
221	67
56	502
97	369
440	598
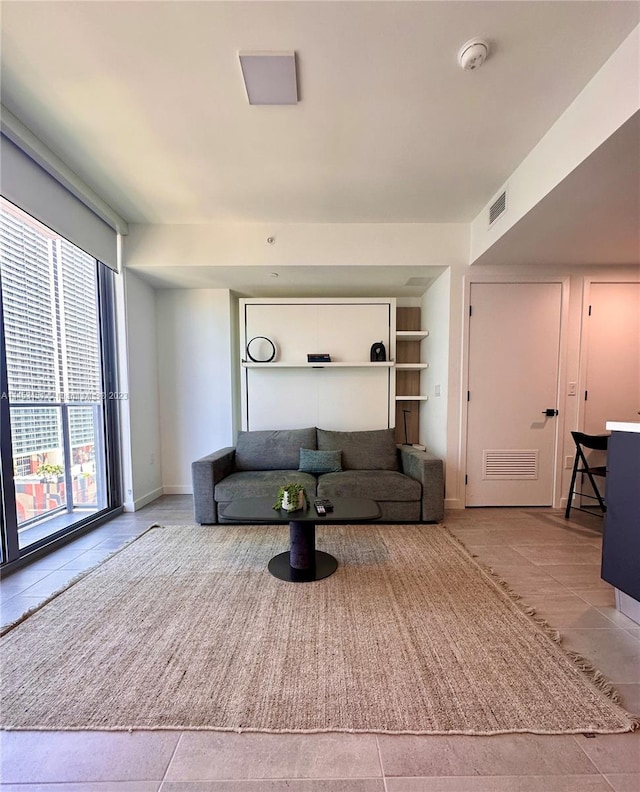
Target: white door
514	347
612	384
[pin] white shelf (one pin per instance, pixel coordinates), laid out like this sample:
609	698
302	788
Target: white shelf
412	366
333	364
411	398
411	335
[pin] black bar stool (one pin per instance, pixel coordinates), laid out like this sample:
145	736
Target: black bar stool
581	465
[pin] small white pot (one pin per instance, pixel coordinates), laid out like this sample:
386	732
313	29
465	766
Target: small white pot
289	506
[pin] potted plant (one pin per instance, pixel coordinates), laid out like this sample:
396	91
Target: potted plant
291	497
50	473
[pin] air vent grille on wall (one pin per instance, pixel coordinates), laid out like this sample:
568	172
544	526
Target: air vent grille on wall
518	464
498	207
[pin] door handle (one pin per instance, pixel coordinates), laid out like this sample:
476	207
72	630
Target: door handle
550	412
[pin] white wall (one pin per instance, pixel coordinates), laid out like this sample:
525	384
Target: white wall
297	244
197	329
141	411
436	313
196	378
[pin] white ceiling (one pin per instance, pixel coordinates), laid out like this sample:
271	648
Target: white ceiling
145	102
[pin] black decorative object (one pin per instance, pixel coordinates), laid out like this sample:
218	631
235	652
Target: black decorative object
318	357
378	353
261	359
406	439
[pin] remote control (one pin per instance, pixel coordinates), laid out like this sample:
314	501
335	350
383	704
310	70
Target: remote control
319	505
327	504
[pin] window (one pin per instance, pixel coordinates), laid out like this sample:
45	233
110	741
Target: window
58	349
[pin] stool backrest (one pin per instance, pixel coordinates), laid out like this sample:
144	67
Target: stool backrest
595	442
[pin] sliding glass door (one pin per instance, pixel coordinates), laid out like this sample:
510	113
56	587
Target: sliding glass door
58	390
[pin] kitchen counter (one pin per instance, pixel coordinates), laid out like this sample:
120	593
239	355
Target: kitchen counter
621	538
623	426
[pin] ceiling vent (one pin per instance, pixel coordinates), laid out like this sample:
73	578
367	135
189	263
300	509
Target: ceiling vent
498	207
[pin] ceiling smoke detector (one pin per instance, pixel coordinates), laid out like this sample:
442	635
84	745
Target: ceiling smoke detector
473	54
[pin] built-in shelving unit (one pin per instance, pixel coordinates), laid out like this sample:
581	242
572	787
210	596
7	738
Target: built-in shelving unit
409	334
332	364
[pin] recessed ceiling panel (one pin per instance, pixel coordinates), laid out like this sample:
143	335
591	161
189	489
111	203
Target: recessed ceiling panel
270	77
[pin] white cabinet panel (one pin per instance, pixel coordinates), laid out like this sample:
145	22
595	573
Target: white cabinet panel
345	331
281	399
346	397
348	331
353	399
293	328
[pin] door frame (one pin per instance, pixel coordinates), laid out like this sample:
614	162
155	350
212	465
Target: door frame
563	346
584	336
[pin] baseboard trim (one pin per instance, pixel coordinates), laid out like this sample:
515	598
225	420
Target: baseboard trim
178	489
138	503
628	606
453	503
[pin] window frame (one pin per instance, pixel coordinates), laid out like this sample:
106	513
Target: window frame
12	556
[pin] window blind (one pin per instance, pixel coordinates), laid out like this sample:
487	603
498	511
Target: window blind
28	185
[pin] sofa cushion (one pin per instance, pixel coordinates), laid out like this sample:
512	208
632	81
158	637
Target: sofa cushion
379	485
273	450
312	461
261	484
370	450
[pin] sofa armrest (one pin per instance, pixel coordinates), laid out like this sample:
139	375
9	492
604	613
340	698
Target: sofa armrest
428	469
205	474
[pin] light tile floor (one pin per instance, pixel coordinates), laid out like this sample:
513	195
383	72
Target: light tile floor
552	562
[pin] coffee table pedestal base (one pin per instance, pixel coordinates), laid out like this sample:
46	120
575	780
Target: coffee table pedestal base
302	562
280	567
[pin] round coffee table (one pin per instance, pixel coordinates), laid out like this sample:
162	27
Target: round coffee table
301	563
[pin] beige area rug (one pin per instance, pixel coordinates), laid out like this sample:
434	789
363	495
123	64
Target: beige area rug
186	629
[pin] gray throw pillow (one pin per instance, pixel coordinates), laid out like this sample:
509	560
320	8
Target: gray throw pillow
320	461
372	450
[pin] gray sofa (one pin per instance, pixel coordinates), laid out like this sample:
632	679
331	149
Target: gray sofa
407	484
